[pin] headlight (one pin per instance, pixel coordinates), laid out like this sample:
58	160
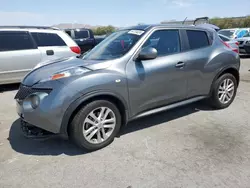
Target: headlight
67	73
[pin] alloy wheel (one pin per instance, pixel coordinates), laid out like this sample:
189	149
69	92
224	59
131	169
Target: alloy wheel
226	91
98	125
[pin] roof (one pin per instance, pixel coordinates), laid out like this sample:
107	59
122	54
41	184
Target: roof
150	26
27	27
43	29
80	29
230	29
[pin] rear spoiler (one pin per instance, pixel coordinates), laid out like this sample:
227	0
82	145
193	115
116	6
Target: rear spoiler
201	18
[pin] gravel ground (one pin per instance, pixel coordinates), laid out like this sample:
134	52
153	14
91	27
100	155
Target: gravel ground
192	146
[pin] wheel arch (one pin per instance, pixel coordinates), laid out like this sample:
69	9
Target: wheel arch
85	99
231	70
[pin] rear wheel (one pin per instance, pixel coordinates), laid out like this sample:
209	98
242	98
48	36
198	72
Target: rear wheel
224	91
95	125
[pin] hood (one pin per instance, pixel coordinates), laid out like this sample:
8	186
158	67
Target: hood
46	69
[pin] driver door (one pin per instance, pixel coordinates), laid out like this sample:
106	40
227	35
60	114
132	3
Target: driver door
161	81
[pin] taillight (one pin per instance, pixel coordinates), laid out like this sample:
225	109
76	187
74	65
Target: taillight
237	43
76	49
236	50
227	45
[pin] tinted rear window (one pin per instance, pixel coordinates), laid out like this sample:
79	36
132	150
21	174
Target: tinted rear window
227	33
197	39
48	39
81	34
12	40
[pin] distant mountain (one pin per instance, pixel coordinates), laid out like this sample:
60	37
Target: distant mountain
74	25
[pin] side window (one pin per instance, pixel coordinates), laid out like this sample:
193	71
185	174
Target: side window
166	42
197	39
15	40
48	39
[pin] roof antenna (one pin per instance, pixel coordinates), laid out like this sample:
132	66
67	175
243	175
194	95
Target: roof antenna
184	21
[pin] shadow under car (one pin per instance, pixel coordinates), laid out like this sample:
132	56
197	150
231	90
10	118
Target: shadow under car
56	145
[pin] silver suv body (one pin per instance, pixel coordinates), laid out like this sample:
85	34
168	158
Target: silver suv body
134	72
23	48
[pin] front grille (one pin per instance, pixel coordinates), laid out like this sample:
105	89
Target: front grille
25	91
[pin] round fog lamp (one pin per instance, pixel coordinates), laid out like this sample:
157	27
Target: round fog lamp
35	101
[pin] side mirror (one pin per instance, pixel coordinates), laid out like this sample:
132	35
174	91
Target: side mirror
147	53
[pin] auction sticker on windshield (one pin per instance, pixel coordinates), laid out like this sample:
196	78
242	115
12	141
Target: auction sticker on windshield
136	32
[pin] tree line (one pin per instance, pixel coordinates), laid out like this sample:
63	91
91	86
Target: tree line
103	30
225	23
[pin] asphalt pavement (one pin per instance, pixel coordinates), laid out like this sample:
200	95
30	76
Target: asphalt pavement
192	146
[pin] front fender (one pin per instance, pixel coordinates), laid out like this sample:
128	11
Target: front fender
81	100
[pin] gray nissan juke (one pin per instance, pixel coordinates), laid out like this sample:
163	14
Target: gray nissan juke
134	72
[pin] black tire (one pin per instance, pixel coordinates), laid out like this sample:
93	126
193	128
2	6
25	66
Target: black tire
76	126
214	98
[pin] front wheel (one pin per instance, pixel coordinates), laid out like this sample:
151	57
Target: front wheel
224	91
95	125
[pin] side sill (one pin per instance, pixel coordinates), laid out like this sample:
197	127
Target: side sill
168	107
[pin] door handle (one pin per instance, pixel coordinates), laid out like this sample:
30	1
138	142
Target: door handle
180	65
50	52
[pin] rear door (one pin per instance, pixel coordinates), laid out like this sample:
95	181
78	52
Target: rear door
199	49
18	55
51	45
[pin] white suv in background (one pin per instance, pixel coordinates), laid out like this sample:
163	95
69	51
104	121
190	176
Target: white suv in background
24	47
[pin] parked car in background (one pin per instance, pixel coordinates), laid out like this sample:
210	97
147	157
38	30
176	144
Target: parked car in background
234	33
136	72
244	44
233	43
84	38
230	33
24	47
99	38
242	32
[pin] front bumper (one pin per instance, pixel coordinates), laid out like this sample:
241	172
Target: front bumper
48	114
36	117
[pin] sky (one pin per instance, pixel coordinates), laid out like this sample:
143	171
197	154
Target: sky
115	12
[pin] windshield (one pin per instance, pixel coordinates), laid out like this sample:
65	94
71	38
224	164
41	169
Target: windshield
115	45
227	33
247	34
238	31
